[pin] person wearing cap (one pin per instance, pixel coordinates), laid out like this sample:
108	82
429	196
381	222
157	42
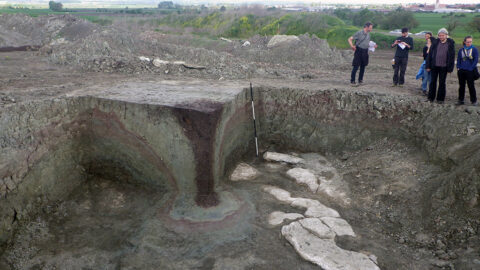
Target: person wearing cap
404	44
466	63
360	57
440	61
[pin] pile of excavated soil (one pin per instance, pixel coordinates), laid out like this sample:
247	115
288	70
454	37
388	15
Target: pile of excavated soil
69	40
20	29
114	50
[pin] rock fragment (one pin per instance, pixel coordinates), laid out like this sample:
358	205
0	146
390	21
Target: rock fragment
314	208
338	225
159	63
304	202
278	217
279	194
279	157
318	228
320	211
244	172
279	40
304	176
324	252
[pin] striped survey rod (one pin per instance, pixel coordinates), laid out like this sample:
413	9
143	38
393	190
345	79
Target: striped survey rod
254	125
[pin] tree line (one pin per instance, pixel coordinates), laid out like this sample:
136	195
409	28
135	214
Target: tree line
397	18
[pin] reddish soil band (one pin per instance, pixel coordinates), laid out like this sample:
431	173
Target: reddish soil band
200	121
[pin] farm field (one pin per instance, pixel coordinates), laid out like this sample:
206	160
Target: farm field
434	21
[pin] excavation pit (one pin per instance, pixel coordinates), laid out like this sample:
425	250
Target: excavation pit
137	176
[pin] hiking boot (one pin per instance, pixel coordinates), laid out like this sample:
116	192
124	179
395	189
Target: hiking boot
460	102
394	85
400	85
360	83
475	103
440	102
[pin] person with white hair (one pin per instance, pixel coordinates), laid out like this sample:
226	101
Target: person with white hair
440	61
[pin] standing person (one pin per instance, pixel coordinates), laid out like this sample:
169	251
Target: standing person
466	63
440	61
426	78
360	57
404	44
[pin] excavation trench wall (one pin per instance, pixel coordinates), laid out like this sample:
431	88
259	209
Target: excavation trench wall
50	147
333	121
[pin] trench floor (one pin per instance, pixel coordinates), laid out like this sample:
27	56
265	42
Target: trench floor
108	224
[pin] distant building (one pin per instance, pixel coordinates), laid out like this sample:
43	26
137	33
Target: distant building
442	8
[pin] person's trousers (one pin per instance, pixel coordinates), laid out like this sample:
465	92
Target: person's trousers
466	76
440	74
427	77
400	66
360	74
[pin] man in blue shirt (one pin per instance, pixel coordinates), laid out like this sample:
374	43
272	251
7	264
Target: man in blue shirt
404	44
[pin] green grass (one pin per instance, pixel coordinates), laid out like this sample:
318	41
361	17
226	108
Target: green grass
30	12
98	20
434	21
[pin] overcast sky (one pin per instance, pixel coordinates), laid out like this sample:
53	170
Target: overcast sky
359	2
340	1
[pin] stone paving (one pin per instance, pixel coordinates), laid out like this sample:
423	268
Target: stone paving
312	234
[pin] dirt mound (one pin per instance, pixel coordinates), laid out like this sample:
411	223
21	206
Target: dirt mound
73	41
69	40
114	50
20	29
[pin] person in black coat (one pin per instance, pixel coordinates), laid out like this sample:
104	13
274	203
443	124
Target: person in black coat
404	44
440	61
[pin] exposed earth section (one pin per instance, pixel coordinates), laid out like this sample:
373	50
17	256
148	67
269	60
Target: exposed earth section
122	150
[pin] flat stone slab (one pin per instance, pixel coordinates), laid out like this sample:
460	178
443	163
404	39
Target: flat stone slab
244	172
338	225
321	210
304	176
314	207
318	228
278	217
304	202
329	180
279	194
324	252
279	157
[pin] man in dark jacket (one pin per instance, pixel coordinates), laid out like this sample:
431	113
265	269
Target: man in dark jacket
440	61
404	44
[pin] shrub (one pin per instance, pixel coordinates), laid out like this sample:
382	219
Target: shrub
398	19
474	24
55	6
